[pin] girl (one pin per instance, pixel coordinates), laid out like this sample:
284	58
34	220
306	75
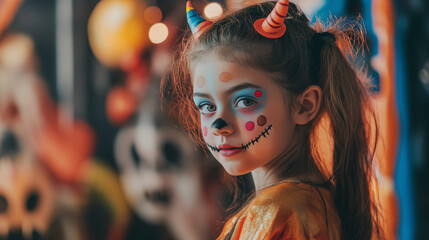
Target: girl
254	87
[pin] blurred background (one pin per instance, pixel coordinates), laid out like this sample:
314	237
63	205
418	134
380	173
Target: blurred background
87	153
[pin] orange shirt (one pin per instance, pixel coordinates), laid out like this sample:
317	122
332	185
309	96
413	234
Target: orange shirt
287	211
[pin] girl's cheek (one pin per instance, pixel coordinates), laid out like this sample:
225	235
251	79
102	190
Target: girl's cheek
261	120
248	113
204	126
205	131
248	118
254	123
250	125
206	117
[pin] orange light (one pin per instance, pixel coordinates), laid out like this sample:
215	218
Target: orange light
158	33
117	30
213	10
152	14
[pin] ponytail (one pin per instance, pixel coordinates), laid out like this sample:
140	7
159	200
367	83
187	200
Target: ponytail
346	105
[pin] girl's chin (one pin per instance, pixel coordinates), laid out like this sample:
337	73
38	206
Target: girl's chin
234	170
234	163
235	173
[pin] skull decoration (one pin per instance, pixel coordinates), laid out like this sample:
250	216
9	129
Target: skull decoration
161	172
26	192
157	161
26	198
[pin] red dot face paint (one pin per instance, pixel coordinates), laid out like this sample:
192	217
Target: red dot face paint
258	93
261	120
205	131
250	126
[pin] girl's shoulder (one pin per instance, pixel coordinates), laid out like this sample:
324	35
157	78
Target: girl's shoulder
288	211
290	194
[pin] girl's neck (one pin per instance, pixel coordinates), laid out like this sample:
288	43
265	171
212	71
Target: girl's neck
295	163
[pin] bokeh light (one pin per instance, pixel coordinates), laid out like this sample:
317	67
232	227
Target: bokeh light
213	10
158	33
116	30
152	14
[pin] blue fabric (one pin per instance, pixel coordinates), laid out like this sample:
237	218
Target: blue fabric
403	180
331	7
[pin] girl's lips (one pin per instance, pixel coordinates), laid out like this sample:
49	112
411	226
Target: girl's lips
230	152
227	147
227	150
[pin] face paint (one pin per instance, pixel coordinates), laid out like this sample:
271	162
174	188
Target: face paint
261	120
205	131
205	106
201	81
255	140
264	134
250	126
244	102
224	77
213	148
219	124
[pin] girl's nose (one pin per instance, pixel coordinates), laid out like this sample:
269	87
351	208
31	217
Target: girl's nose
221	127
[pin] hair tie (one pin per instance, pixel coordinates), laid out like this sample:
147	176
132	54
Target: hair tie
325	37
318	42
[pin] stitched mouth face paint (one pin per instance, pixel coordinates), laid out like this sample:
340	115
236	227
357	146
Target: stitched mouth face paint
251	103
264	134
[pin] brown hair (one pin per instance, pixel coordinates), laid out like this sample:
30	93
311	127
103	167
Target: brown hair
304	56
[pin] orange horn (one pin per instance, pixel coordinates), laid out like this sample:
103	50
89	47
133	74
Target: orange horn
273	26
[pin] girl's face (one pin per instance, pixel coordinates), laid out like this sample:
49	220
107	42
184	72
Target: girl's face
245	119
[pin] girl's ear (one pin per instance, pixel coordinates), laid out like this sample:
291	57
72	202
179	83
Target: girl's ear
308	105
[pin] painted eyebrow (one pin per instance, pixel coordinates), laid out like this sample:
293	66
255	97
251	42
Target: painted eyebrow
241	86
229	91
202	95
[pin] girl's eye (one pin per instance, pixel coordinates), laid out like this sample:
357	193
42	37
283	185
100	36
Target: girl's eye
245	103
206	108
